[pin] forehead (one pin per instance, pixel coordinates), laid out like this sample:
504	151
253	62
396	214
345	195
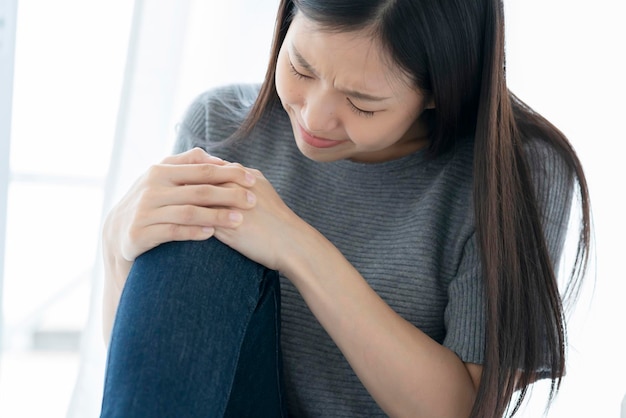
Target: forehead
358	55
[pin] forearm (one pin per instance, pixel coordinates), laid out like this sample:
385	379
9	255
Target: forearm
405	371
116	269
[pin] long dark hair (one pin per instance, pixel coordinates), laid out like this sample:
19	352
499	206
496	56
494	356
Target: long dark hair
454	49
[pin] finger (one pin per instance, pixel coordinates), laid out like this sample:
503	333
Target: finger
200	174
174	232
253	171
227	195
256	173
190	223
194	156
191	215
155	235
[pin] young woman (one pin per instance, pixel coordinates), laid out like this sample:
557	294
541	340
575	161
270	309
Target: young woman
379	236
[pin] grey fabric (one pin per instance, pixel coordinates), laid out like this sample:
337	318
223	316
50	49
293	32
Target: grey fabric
407	226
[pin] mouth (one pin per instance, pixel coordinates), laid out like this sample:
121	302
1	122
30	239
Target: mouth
316	141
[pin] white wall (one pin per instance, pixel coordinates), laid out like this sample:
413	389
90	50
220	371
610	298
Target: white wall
567	59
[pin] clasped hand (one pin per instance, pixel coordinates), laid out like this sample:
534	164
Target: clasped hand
193	196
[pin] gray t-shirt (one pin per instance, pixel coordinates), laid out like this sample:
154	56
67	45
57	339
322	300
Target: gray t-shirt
407	226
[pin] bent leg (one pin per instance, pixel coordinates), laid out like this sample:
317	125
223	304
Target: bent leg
196	335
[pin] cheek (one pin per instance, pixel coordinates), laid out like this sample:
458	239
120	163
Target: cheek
373	134
286	86
379	133
365	135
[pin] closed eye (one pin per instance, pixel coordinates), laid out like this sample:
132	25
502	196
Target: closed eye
297	73
353	107
359	111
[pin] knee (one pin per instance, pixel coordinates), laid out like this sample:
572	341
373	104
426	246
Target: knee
198	272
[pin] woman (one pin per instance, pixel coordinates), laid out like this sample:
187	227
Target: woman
379	237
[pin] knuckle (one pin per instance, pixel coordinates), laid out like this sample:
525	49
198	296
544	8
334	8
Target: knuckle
134	235
169	159
200	193
154	172
197	151
208	170
175	232
136	217
197	154
187	214
146	194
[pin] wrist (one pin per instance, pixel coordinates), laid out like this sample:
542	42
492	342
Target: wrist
115	264
306	252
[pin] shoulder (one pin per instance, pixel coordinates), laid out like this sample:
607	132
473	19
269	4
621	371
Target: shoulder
215	115
544	157
550	172
229	100
553	180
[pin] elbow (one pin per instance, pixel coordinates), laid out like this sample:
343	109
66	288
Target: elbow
449	402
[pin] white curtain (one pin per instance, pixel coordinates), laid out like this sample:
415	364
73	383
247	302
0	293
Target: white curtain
8	12
564	59
154	55
567	60
176	50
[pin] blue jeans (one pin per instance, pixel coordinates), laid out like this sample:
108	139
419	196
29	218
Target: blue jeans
197	334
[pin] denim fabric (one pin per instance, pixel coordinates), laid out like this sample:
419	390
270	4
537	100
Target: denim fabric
196	335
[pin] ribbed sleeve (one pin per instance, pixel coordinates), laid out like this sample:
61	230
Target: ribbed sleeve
465	310
554	185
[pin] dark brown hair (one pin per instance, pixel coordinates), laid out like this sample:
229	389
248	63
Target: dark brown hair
454	49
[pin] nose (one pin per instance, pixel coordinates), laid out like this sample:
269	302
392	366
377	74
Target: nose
319	114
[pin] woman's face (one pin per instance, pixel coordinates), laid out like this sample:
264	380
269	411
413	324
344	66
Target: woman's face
344	98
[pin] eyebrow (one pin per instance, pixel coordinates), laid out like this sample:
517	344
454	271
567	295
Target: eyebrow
352	93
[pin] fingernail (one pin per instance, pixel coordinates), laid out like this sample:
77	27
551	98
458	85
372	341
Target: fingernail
235	217
251	197
208	230
250	179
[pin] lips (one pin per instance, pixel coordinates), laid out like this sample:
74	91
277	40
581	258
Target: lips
317	142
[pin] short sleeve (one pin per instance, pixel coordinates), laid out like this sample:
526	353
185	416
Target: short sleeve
553	182
465	312
192	132
214	116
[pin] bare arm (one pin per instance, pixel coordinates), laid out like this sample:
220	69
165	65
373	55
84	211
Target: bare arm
116	269
405	371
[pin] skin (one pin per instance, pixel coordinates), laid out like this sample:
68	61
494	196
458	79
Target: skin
193	196
312	87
